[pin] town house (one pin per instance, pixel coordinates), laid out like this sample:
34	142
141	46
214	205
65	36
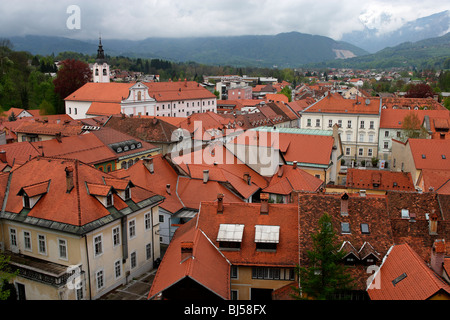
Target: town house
74	232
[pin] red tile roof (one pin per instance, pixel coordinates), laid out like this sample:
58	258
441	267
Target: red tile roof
77	207
411	103
115	92
289	179
207	266
19	152
102	108
430	153
405	276
335	103
283	215
386	180
66	130
393	118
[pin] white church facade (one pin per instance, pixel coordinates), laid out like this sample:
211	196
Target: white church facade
101	97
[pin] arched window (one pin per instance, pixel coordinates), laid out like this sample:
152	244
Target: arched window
96	72
123	165
101	168
109	168
139	96
104	72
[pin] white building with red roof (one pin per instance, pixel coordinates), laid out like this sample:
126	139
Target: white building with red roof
170	99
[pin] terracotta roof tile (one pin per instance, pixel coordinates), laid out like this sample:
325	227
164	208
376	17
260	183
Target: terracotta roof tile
405	276
379	180
430	153
208	266
335	103
283	215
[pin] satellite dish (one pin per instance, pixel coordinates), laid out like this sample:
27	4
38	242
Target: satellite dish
367	101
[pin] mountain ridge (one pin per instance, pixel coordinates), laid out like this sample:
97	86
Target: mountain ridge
285	50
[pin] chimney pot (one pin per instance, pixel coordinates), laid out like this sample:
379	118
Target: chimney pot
148	163
205	176
437	256
168	188
295	164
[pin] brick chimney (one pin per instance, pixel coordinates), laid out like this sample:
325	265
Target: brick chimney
148	163
433	223
3	156
58	137
264	203
295	165
187	248
205	176
69	179
220	203
437	256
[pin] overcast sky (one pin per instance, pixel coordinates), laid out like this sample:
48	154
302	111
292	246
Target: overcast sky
140	19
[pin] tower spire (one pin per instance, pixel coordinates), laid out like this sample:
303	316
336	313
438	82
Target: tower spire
100	51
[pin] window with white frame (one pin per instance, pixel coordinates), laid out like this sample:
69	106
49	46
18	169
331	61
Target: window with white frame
372	125
386	133
361	137
98	245
62	246
340	123
330	123
371	137
317	122
347	151
117	269
361	151
132	228
349	124
148	221
27	240
100	279
361	124
308	122
13	237
386	145
42	244
369	152
116	236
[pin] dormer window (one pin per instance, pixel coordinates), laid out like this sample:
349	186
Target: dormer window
230	236
267	237
103	193
127	193
26	202
31	194
109	200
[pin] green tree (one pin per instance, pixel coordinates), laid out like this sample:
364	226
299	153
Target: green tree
6	289
325	273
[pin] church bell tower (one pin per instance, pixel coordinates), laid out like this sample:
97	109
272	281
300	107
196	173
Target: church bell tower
101	67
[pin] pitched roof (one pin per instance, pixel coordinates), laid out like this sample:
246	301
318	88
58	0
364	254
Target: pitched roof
248	214
86	148
49	128
115	92
393	118
207	266
146	129
289	179
430	153
379	180
19	152
104	108
335	103
76	208
405	276
411	103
